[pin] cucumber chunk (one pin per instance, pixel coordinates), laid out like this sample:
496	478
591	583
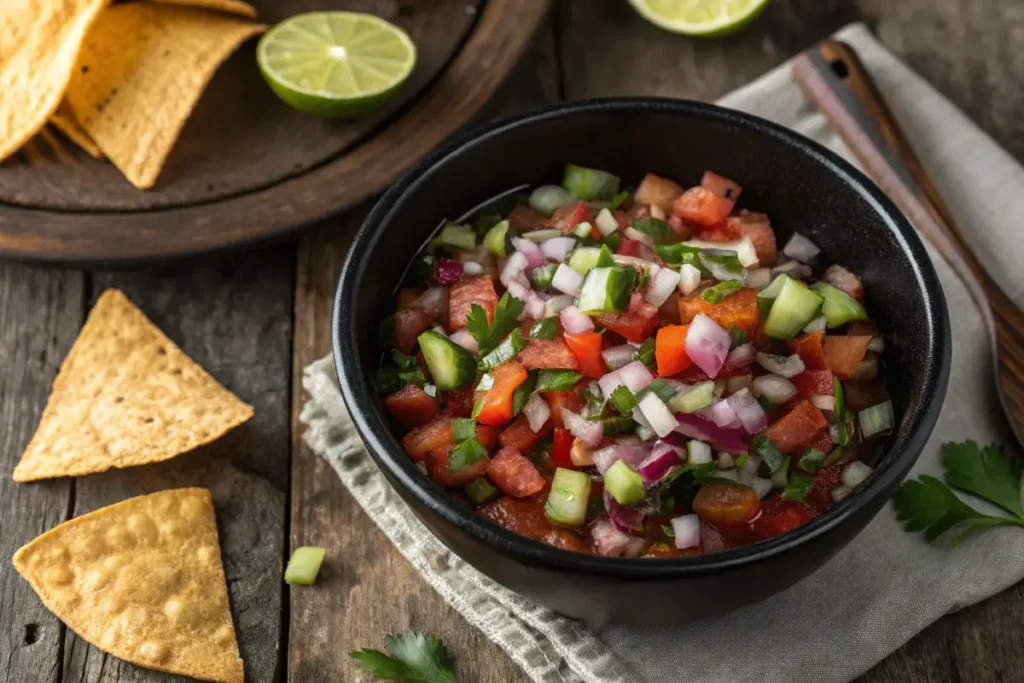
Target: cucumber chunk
624	484
839	307
794	307
567	501
451	366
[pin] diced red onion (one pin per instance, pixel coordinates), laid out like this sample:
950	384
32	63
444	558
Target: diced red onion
641	421
707	344
622	517
646	252
738	383
698	453
616	357
609	383
605	222
447	272
537	412
722	414
518	289
689	279
567	280
833	433
725	462
557	248
641	237
854	474
631	454
776	389
759	278
817	325
472	268
590	433
535	306
876	345
663	457
799	248
741	355
628	440
534	256
746	473
575	322
793	269
868	368
658	414
840	492
515	264
557	304
842	279
657	212
762	487
609	541
823	401
687	531
636	547
696	427
434	301
661	287
635	376
748	410
786	366
466	340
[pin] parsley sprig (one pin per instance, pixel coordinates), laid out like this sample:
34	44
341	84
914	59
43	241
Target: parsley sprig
412	658
505	319
929	505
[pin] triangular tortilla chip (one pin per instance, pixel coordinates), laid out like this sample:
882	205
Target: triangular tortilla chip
64	120
125	396
142	580
242	9
39	44
141	71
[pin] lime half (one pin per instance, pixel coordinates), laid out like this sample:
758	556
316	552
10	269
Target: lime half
700	17
335	64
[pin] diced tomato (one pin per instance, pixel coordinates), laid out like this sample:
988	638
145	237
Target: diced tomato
628	247
526	518
556	400
568	217
679	229
637	212
739	309
668	313
487	435
702	206
519	436
587	349
636	324
670	350
860	328
861	394
406	297
809	348
495	404
660	192
842	354
560	451
410	323
820	495
843	279
723	503
759	230
796	429
719	233
458	403
468	291
411	406
721	186
437	435
822	442
547	354
813	382
438	467
514	474
779	516
525	219
712	540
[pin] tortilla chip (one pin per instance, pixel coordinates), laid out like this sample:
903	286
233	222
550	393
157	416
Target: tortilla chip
242	9
39	44
142	580
142	69
64	120
125	396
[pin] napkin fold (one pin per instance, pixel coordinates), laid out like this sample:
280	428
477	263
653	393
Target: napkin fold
875	594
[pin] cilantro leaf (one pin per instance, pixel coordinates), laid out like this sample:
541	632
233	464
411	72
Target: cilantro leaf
467	453
505	319
987	473
929	505
413	658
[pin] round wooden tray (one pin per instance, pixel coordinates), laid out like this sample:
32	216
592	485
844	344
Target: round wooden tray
248	168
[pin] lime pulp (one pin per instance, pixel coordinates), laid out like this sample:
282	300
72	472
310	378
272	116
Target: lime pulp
700	17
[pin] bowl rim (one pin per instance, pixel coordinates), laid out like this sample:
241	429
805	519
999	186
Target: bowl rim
383	446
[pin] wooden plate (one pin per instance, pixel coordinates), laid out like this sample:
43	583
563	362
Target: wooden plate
246	167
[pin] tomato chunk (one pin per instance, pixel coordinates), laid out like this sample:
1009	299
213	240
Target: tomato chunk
636	324
411	406
587	349
556	400
721	186
436	435
525	219
739	309
568	217
822	442
723	503
779	516
660	192
438	467
814	382
702	206
458	403
468	291
670	350
410	323
809	348
796	429
547	354
526	518
487	435
819	498
759	230
843	279
521	437
628	247
494	406
712	540
561	450
514	474
842	354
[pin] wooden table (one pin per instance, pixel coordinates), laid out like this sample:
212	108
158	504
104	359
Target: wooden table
254	319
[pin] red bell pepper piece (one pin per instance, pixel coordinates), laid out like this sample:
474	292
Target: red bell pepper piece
494	406
809	348
570	400
521	437
813	382
670	350
843	354
562	448
587	349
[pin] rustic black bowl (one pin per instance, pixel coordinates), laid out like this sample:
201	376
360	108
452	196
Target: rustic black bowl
801	185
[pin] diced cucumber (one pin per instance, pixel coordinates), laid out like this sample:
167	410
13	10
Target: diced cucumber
839	307
583	259
794	307
543	235
766	297
697	397
678	253
304	565
567	501
451	366
457	236
744	248
624	484
480	490
582	229
698	453
541	276
494	240
606	290
549	198
876	419
589	183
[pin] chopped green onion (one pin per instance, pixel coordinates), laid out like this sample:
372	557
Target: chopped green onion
624	484
617	426
613	241
465	454
667	531
715	294
623	400
556	380
679	253
781	478
456	236
742	459
541	276
505	351
659	388
494	240
876	419
304	565
771	456
645	352
658	229
739	337
480	490
797	488
618	199
589	183
697	397
486	383
841	428
464	429
545	329
811	461
521	394
549	198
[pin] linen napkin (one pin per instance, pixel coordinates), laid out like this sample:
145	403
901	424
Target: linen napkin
880	590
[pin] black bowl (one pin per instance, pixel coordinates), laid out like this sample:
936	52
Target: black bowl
799	184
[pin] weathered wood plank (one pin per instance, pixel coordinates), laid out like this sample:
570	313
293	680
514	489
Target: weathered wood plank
233	316
39	318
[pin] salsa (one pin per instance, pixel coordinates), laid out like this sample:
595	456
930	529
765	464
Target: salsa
635	373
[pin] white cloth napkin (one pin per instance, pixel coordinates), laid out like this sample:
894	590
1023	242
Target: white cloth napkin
886	585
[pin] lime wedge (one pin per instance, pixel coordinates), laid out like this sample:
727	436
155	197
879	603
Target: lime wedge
335	64
700	17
